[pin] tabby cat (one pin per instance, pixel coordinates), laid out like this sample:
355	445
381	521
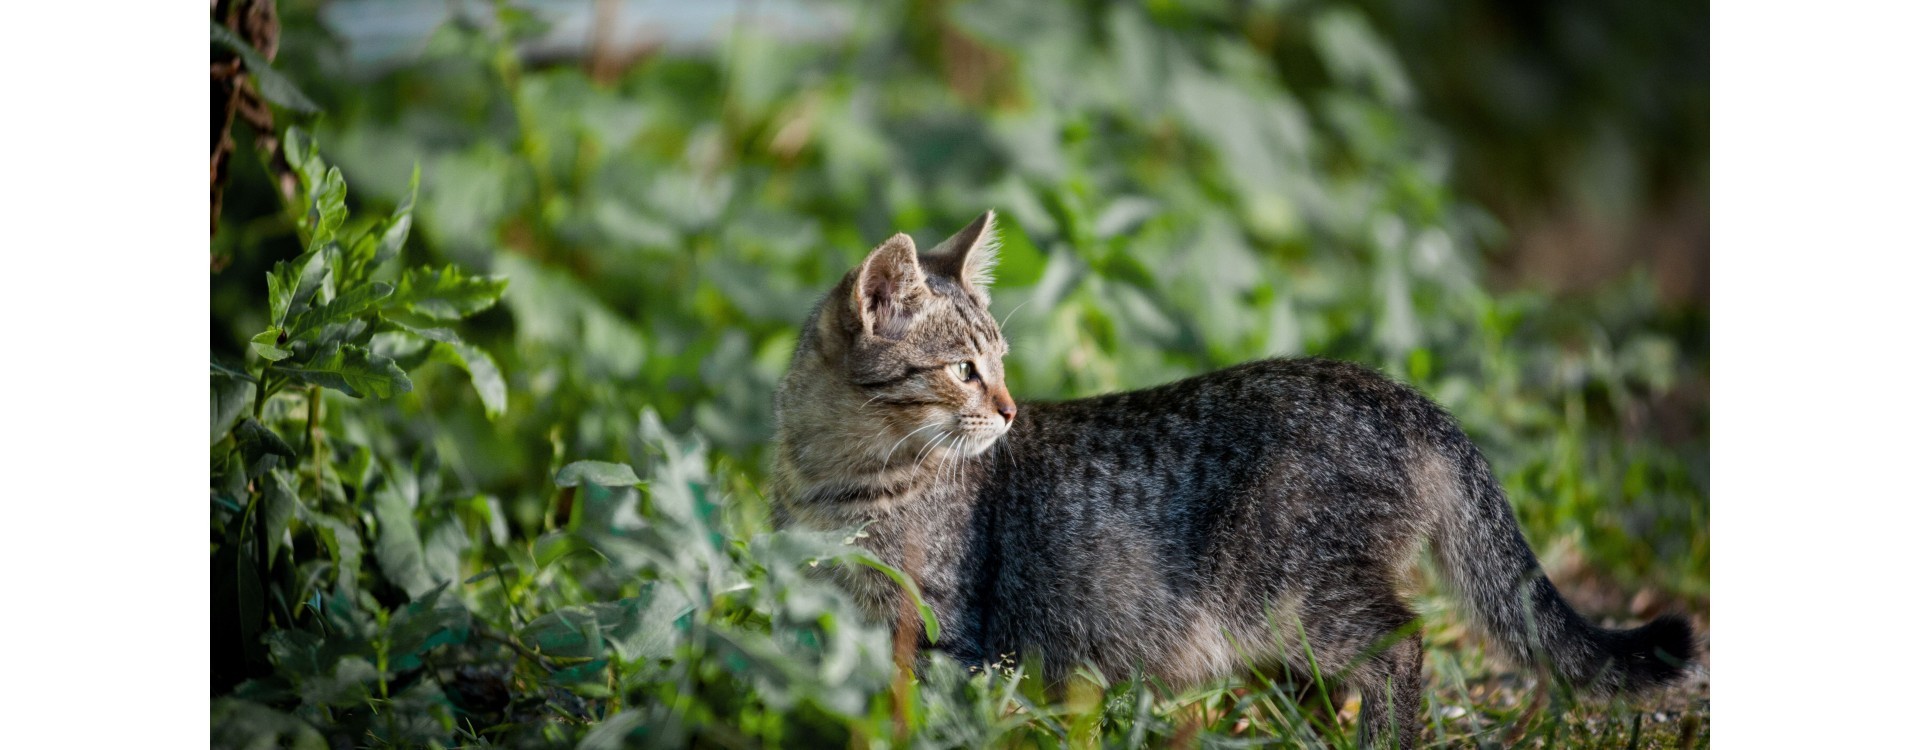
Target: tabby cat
1179	530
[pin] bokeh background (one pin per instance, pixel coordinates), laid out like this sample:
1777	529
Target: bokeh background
1502	203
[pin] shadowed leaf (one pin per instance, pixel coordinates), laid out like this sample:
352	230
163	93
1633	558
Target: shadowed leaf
603	473
351	370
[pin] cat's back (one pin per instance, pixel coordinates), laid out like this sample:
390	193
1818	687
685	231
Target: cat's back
1226	412
1181	472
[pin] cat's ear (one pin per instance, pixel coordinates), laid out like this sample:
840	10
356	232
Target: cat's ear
889	288
970	254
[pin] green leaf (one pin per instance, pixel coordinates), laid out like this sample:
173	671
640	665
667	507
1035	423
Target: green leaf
555	545
646	626
303	154
257	444
424	625
267	345
616	732
293	282
351	370
445	293
791	547
350	684
343	307
422	326
219	369
567	632
327	209
603	473
481	368
243	724
275	87
343	544
323	192
640	627
355	331
400	224
398	546
276	512
229	396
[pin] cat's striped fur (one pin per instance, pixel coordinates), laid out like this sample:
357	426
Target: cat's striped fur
1177	530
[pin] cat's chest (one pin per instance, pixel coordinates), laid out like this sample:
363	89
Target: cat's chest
937	542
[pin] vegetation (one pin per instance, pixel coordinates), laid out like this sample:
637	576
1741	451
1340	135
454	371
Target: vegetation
488	441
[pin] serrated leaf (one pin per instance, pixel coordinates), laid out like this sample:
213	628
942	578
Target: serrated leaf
291	284
405	349
603	473
355	331
399	224
343	307
326	210
267	345
445	293
351	370
304	156
275	87
481	368
293	281
281	282
422	326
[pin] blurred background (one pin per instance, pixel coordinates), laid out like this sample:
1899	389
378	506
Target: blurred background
1504	203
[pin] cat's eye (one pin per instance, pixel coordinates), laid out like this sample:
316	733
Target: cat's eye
964	371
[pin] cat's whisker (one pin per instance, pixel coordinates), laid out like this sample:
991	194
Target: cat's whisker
1016	308
903	438
930	447
940	472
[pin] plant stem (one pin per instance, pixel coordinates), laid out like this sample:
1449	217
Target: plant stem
260	391
518	647
312	448
313	424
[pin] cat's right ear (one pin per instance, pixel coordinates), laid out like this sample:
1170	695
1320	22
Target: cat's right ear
889	288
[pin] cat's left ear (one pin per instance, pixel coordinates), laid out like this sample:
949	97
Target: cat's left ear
969	255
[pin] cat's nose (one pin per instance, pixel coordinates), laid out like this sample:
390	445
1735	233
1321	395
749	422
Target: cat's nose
1007	410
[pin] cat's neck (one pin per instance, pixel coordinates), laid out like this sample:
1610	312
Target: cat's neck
825	491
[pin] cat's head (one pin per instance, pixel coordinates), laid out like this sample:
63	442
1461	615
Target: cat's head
901	361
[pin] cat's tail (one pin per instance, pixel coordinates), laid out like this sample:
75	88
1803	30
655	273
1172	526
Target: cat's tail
1480	550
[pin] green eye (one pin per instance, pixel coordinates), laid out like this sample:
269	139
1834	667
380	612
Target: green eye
964	371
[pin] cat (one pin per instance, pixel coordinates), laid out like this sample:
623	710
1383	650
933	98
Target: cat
1180	530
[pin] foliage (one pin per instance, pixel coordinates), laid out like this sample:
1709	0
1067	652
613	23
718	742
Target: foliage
441	520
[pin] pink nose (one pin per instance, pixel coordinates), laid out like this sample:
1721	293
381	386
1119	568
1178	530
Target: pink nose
1007	411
